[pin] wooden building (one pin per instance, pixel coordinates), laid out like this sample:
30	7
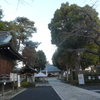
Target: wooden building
8	54
28	73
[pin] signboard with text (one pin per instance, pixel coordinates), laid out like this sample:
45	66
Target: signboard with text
13	77
81	79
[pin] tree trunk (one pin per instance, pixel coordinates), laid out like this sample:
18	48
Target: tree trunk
76	64
18	45
71	74
62	72
67	72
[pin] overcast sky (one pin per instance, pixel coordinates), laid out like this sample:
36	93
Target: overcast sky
41	12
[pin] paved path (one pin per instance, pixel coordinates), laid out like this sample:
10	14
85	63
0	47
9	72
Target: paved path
69	92
62	92
38	93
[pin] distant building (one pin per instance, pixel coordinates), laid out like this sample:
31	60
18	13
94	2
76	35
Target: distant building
27	73
51	70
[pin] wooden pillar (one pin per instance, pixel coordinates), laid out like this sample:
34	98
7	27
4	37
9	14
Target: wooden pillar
0	63
33	78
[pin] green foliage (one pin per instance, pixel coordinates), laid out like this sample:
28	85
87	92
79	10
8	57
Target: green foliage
73	82
1	13
65	79
66	20
37	79
29	52
21	28
30	55
71	29
2	23
24	84
2	26
41	60
88	59
61	58
24	25
15	85
24	80
24	29
27	84
8	26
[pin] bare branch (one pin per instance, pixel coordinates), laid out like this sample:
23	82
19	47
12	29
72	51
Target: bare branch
93	52
6	2
95	3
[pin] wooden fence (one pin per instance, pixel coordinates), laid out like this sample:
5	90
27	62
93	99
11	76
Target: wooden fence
5	83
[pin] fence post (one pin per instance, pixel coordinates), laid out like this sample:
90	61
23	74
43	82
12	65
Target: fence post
2	88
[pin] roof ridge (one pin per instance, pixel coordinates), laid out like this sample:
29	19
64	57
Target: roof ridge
5	33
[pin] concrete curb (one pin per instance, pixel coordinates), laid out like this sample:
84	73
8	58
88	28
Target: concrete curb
8	96
58	93
6	93
17	93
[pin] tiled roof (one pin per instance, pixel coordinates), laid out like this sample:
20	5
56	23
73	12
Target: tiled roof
6	47
5	38
27	69
51	68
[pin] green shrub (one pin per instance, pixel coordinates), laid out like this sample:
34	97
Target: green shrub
24	84
27	84
15	85
73	82
37	79
30	84
24	80
65	79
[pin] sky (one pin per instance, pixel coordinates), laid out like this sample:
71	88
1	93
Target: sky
41	12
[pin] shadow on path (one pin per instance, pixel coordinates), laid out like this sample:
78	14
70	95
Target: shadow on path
95	88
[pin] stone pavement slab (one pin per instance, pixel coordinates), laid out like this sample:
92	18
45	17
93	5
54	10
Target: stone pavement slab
42	84
69	92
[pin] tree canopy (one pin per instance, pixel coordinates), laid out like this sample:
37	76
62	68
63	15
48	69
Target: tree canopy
70	23
74	30
22	30
29	53
40	60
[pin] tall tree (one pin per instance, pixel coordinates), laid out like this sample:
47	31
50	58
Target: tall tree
70	22
24	29
1	14
2	24
74	27
88	59
41	60
29	53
